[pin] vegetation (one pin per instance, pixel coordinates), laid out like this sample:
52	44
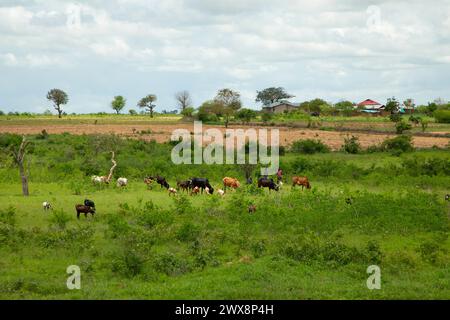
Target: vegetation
59	98
271	95
142	244
147	103
118	104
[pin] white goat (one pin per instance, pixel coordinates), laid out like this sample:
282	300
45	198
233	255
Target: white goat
46	205
122	182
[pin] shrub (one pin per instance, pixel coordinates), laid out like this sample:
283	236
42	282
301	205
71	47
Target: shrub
59	219
309	146
188	232
171	265
442	116
398	144
8	216
351	145
130	263
402	126
182	204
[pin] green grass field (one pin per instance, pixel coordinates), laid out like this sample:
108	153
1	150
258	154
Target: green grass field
143	244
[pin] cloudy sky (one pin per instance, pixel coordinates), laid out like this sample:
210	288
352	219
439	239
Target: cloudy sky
336	50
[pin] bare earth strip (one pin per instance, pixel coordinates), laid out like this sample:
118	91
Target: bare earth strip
162	133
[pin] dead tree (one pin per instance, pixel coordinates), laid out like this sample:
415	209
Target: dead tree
111	171
19	156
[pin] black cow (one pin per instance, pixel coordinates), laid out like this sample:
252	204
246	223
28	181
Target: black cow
202	183
162	182
89	203
267	183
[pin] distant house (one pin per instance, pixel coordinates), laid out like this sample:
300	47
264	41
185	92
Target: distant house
371	106
281	106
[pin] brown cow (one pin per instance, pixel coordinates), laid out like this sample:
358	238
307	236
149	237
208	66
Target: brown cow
301	181
84	209
230	182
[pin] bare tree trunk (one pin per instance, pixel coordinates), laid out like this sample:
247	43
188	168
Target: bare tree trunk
111	171
19	156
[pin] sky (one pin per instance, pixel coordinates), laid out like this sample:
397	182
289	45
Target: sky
335	50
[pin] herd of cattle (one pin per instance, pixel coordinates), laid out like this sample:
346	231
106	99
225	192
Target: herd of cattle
192	186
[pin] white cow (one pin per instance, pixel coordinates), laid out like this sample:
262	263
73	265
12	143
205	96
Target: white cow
220	192
46	205
122	182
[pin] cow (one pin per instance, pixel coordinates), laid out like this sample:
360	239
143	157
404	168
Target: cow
89	203
122	182
220	192
162	182
184	185
84	209
46	205
202	183
267	183
195	191
149	181
230	182
99	179
252	208
172	191
301	181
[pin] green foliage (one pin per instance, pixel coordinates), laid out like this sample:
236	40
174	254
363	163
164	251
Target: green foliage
59	219
188	112
392	105
442	116
271	95
245	115
266	117
351	145
398	144
309	146
118	103
8	216
147	103
58	97
402	126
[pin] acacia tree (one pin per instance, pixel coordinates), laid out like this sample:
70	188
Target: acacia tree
118	103
183	99
59	98
271	95
18	154
229	102
147	103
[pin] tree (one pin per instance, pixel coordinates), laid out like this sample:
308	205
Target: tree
118	103
246	115
58	97
18	154
187	112
392	105
345	107
271	95
409	103
183	99
229	101
147	103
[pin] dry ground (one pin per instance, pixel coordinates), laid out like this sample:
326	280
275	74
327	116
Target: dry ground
162	133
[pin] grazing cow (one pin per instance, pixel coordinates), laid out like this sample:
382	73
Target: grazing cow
162	182
172	191
220	192
122	182
184	185
149	181
99	179
46	205
267	183
195	191
301	181
89	203
230	182
202	183
252	208
84	209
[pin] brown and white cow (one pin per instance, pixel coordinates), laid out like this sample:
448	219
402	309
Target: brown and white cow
301	181
230	182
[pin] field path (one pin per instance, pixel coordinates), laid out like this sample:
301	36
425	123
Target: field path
162	133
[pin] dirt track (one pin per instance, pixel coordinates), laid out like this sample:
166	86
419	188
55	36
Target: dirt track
162	133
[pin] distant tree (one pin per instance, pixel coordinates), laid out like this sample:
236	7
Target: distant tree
409	103
147	103
1	113
132	112
246	115
188	112
271	95
229	101
315	105
345	107
392	105
59	98
183	99
266	116
431	108
118	103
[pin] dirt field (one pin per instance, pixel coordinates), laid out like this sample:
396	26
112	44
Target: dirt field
162	133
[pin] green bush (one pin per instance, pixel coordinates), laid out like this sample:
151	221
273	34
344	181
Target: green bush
351	145
402	126
309	146
398	145
442	116
59	219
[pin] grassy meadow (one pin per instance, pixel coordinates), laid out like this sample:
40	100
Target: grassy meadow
143	244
